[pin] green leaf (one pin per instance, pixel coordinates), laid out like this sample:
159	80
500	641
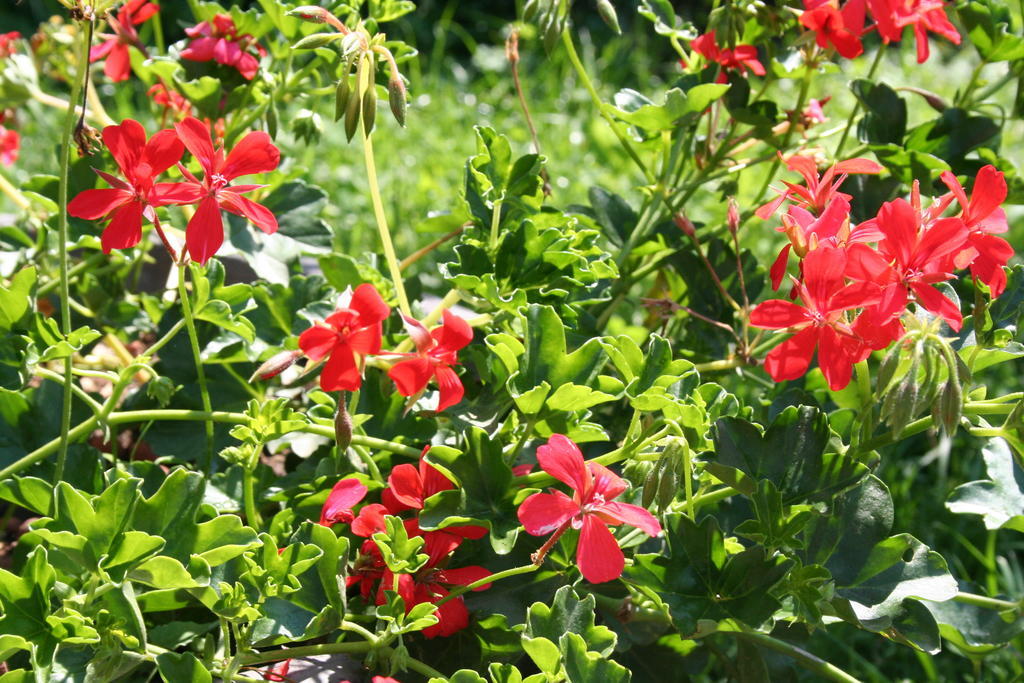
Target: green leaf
175	667
583	666
885	117
989	28
297	206
567	614
666	23
698	579
25	602
637	110
973	629
28	492
791	454
1000	498
484	494
220	314
952	135
15	300
400	552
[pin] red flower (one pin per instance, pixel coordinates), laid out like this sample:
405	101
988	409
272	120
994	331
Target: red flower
10	143
892	16
338	506
347	335
591	510
278	672
255	153
820	322
433	581
984	218
914	255
115	46
739	58
218	40
436	352
137	195
7	43
409	486
820	190
839	27
171	101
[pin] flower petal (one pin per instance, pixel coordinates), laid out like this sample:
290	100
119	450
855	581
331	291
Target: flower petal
258	215
341	373
778	314
453	334
125	229
406	486
255	153
205	231
367	302
562	459
317	342
338	506
791	358
633	515
411	376
449	386
125	142
598	554
94	204
196	137
543	513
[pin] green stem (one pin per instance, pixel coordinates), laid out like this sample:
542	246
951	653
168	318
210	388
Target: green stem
382	222
495	223
252	515
78	391
989	603
459	590
805	84
856	105
581	72
713	496
802	657
719	365
186	309
79	82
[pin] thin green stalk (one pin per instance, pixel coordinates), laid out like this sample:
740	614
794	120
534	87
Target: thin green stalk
801	98
186	309
581	72
688	482
802	657
856	105
989	603
495	223
459	590
78	391
252	515
79	82
382	221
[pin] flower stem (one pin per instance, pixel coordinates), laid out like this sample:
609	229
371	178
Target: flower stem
186	310
495	224
252	515
581	72
990	603
542	552
459	590
802	657
382	222
77	84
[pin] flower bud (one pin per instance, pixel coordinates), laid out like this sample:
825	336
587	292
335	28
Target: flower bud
341	97
608	16
684	224
342	426
396	98
352	114
733	216
369	108
316	40
310	13
275	365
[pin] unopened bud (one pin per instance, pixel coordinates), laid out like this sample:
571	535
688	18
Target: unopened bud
341	97
684	224
530	8
396	98
342	426
352	114
275	365
310	13
512	46
369	109
608	15
316	40
733	216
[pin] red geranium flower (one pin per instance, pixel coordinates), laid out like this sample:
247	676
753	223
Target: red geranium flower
7	43
115	46
255	153
433	581
346	336
984	218
839	27
892	16
171	101
338	506
591	510
739	58
820	190
914	255
137	195
218	40
409	485
820	322
10	143
436	352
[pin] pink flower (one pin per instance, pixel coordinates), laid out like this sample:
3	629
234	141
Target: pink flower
343	497
739	58
840	28
255	153
591	509
409	485
115	46
436	352
8	43
819	190
218	40
892	16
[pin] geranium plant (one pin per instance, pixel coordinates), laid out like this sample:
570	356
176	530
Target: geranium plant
750	412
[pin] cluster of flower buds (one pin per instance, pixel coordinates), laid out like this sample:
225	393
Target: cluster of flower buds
356	94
